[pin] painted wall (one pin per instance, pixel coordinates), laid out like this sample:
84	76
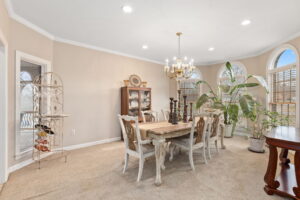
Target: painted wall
26	40
254	65
92	82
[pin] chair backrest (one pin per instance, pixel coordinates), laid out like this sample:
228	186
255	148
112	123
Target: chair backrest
131	132
153	115
199	129
214	131
166	114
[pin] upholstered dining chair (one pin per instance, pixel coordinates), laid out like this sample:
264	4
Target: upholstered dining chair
213	135
165	114
196	139
153	115
134	145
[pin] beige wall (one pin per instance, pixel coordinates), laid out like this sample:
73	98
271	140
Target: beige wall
26	40
255	65
92	82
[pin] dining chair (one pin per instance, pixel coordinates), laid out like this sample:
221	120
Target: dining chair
165	114
213	133
134	145
153	115
195	141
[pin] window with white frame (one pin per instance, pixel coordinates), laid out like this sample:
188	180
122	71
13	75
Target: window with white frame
282	76
189	87
239	72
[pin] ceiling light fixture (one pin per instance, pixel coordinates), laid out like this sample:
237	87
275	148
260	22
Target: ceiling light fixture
245	22
127	9
211	48
145	46
181	67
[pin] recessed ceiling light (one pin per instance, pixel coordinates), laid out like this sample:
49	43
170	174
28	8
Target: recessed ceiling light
145	46
211	48
127	9
245	22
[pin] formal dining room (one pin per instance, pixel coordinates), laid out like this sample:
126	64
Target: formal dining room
149	100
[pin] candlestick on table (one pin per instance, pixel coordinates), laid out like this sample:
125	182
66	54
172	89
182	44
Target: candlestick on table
174	118
171	110
191	111
185	109
179	106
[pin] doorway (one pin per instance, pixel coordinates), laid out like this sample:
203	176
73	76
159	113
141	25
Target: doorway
27	68
3	108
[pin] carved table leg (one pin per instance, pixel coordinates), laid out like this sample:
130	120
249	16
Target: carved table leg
284	156
222	137
269	178
159	155
297	173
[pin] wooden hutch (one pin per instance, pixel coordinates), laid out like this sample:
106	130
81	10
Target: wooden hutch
134	100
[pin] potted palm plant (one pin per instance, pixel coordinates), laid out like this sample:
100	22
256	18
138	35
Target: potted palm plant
237	97
262	121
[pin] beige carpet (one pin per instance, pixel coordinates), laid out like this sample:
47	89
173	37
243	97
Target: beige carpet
95	173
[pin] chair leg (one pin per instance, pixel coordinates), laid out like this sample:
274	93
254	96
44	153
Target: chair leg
172	149
126	162
191	159
216	144
204	155
141	167
208	150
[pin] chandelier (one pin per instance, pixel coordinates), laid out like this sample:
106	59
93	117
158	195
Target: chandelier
181	68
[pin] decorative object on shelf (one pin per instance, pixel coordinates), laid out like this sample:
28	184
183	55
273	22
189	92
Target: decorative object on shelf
48	120
126	83
174	116
135	80
171	110
185	112
181	68
191	112
144	84
179	106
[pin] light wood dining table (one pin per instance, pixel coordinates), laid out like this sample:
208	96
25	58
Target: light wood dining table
159	132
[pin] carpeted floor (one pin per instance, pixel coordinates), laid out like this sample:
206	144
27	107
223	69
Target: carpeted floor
95	173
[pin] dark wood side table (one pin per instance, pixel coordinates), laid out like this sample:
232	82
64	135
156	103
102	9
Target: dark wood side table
287	184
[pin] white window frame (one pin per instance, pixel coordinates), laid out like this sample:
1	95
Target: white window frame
270	70
223	68
3	108
200	86
46	67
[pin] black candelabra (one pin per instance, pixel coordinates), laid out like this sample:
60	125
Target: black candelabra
171	110
185	109
175	116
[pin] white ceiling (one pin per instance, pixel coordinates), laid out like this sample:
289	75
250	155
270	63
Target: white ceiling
204	23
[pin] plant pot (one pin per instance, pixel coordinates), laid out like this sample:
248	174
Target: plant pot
228	131
257	145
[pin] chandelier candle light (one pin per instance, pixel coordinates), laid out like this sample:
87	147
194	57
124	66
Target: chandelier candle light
181	68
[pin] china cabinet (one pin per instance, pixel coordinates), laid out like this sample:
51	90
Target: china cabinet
134	100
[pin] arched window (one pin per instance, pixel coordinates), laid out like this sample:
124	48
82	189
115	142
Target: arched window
189	88
282	77
240	74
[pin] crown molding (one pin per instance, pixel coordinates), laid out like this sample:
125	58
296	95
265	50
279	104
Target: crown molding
38	29
258	53
52	37
88	46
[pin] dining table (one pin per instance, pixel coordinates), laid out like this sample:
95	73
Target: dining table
159	133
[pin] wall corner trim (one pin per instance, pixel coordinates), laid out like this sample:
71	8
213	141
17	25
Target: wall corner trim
71	147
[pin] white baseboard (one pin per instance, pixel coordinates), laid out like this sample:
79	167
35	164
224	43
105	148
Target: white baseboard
71	147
